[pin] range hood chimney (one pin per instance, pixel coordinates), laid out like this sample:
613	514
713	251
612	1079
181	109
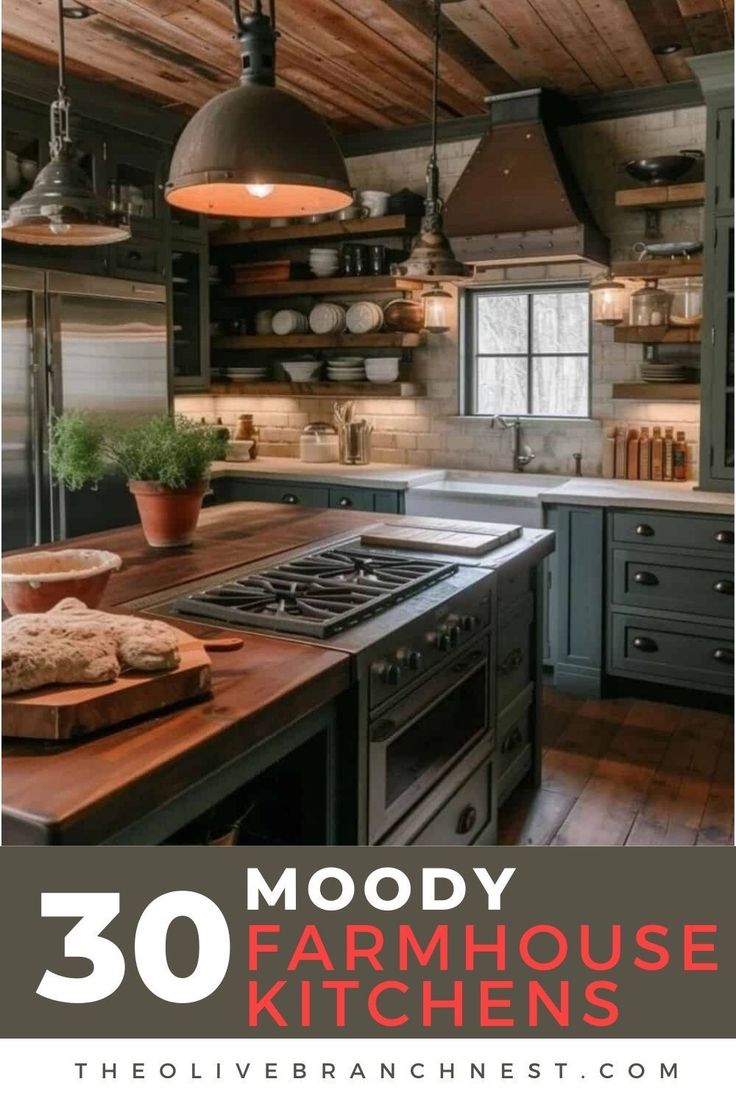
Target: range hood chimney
517	201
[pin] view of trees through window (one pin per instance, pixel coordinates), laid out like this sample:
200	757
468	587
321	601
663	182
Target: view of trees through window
530	352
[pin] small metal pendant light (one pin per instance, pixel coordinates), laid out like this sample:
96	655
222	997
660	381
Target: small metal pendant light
256	150
61	208
431	256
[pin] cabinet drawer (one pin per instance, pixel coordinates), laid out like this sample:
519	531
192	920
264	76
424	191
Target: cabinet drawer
139	260
251	490
350	498
664	651
513	585
705	533
513	660
466	813
651	580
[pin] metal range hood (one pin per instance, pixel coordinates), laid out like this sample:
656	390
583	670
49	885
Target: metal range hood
517	201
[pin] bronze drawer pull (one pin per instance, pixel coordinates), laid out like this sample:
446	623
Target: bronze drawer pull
512	662
345	503
723	586
644	531
724	536
645	644
646	578
512	740
466	820
290	499
469	660
723	655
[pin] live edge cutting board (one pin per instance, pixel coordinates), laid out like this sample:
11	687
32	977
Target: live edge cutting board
67	713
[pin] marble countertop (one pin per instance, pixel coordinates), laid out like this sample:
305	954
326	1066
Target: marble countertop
498	486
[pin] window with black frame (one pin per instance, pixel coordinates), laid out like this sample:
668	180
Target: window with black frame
526	351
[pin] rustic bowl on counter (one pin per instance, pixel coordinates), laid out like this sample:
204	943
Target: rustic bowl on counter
33	582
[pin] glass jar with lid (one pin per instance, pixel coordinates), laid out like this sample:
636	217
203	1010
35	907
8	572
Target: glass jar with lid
609	301
687	301
318	443
650	305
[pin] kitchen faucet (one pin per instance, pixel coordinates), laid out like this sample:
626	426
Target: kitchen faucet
523	455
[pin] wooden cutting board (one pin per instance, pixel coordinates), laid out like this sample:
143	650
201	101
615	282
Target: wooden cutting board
447	537
70	712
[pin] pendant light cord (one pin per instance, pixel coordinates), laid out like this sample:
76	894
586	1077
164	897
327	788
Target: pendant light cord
433	203
62	53
60	134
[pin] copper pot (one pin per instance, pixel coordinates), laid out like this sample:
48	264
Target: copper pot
405	315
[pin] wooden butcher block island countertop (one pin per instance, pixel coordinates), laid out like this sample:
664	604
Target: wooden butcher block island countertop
89	791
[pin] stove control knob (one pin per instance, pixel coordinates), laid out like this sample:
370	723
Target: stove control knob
454	635
469	623
390	673
412	661
444	642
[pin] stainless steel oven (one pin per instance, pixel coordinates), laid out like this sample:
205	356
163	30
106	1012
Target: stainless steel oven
421	736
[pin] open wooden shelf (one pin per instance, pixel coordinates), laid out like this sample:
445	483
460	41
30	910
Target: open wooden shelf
333	285
655	335
663	195
320	341
658	269
333	228
319	389
669	392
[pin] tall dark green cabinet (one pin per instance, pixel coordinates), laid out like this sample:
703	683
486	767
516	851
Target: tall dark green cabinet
715	74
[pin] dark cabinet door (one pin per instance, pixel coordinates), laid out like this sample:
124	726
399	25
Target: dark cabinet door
722	381
724	161
25	148
190	339
136	169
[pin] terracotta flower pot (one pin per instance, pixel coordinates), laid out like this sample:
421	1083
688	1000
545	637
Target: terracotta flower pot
169	516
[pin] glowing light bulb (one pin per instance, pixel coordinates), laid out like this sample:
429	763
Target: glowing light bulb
260	191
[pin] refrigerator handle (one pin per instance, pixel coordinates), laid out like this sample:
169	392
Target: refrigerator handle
53	400
37	451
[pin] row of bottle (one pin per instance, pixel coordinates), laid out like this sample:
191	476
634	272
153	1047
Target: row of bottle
630	453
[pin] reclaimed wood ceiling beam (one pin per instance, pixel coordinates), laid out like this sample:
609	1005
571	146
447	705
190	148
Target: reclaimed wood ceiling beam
662	24
707	24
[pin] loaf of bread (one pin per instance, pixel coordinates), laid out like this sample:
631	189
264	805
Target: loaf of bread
72	644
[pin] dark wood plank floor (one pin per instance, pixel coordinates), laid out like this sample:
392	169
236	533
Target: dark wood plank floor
627	773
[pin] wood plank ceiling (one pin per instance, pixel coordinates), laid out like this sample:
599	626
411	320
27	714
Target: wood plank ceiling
365	64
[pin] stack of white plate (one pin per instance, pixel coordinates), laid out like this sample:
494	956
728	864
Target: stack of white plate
364	317
301	371
667	373
327	318
346	369
289	322
324	262
246	372
382	369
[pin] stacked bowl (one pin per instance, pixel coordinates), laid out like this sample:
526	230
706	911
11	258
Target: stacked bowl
382	369
289	322
364	317
327	318
301	371
324	262
345	369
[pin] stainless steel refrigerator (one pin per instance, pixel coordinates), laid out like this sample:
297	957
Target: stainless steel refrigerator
72	342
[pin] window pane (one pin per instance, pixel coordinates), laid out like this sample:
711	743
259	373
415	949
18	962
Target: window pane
560	386
560	322
502	324
502	385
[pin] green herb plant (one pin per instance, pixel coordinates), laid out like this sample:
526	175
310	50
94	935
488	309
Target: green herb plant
173	451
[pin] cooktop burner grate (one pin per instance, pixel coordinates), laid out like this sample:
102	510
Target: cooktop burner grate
317	595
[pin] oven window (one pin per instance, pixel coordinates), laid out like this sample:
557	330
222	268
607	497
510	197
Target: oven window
435	739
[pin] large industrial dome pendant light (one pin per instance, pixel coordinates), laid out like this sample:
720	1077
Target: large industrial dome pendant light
61	208
256	150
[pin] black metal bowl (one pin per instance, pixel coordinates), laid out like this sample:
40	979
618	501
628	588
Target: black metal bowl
663	170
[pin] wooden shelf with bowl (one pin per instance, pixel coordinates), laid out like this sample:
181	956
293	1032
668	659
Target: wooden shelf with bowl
332	285
660	392
662	195
317	389
384	340
657	335
382	226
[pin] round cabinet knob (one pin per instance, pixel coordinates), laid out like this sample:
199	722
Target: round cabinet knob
723	586
644	644
290	499
345	503
466	820
724	536
646	531
723	655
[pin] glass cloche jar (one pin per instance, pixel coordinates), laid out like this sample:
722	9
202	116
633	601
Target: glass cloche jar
650	306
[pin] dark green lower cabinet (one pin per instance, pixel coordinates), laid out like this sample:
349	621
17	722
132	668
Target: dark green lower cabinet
311	495
641	595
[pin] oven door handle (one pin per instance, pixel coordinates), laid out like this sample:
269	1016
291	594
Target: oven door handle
469	661
383	731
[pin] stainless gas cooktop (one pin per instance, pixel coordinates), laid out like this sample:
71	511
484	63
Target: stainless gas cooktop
320	594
